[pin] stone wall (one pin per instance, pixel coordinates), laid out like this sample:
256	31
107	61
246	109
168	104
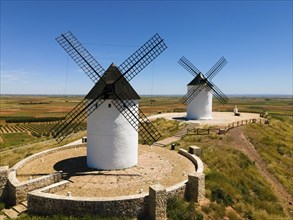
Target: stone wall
152	205
4	182
46	205
43	203
178	190
195	160
195	187
158	202
18	190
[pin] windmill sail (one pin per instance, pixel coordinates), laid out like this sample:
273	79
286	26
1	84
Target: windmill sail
109	88
216	68
75	117
81	56
221	97
146	129
204	81
191	94
189	66
142	57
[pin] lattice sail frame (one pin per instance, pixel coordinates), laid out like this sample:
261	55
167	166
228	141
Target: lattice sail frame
142	57
81	56
206	81
146	129
129	69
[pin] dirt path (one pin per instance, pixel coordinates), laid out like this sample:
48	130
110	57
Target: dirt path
243	144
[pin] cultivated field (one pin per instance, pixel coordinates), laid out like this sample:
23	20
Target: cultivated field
30	119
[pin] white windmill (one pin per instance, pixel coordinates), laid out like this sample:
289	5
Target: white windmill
111	106
200	91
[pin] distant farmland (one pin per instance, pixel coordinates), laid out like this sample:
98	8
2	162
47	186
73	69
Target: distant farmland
28	119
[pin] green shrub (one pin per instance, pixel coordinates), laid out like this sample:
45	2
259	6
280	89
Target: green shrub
178	209
220	196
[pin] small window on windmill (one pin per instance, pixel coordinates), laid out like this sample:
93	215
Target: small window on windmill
109	105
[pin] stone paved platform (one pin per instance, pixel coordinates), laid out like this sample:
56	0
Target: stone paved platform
219	118
156	166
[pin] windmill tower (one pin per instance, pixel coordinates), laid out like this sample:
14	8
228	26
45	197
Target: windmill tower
200	90
111	106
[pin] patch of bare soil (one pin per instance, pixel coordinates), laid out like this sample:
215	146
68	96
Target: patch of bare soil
243	144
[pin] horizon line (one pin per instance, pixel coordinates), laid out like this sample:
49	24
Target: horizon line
231	95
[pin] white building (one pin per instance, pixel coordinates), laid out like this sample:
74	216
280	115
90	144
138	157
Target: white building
112	142
200	108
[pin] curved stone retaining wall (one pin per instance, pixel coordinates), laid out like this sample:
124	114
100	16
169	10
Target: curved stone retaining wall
41	200
4	170
43	203
18	190
178	190
195	160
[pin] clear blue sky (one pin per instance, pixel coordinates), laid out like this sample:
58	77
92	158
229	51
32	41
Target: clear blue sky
254	36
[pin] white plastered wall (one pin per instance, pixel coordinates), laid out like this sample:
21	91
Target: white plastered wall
200	108
112	143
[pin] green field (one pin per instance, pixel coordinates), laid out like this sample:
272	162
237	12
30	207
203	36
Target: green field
235	186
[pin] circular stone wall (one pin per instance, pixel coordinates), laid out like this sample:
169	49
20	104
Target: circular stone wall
156	165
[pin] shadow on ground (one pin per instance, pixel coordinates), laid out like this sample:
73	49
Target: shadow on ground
77	166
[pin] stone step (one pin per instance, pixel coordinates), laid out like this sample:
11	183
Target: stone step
3	217
10	213
24	203
20	208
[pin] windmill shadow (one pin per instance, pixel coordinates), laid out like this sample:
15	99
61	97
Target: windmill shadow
73	167
180	118
77	166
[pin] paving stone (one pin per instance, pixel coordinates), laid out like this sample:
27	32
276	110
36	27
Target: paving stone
24	203
3	217
20	208
10	213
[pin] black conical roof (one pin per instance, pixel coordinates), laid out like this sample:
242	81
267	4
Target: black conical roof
198	80
105	87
